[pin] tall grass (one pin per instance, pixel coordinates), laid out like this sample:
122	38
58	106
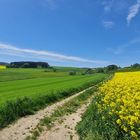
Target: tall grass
98	126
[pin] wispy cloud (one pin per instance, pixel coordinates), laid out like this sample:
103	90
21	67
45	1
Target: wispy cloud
108	24
133	11
29	53
120	49
107	5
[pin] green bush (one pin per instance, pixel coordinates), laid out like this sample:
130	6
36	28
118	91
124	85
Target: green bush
72	73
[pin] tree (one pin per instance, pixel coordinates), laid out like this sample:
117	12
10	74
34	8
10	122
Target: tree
28	64
89	71
135	65
99	70
54	70
25	65
72	73
112	68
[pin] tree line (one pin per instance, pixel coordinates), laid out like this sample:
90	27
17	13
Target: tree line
28	64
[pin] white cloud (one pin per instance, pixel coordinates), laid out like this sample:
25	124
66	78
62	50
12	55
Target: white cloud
108	24
133	11
29	53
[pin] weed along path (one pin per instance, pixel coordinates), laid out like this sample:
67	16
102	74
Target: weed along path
22	128
64	128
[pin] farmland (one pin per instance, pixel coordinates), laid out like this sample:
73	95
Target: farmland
21	73
115	111
12	74
39	86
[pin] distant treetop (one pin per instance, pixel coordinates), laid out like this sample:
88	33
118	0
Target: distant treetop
28	64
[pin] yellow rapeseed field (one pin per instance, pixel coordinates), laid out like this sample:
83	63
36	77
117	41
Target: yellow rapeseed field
2	67
121	96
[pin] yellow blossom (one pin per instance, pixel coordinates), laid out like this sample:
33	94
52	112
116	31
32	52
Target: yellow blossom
121	96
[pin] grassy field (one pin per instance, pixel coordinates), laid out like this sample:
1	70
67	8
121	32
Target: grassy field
28	90
40	86
16	83
20	74
23	73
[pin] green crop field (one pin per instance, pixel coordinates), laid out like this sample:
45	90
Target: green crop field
22	73
28	90
40	86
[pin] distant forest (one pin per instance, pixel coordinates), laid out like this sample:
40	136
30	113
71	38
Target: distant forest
28	64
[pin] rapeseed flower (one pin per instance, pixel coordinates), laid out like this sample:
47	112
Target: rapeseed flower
121	96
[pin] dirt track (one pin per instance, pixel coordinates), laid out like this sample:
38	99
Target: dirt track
22	128
65	130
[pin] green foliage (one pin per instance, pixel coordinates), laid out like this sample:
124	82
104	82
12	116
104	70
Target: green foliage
100	70
88	71
134	67
112	68
25	65
72	73
108	69
28	64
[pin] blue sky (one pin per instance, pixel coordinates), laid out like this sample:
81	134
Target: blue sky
86	33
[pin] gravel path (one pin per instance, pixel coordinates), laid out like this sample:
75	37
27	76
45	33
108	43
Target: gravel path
65	130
